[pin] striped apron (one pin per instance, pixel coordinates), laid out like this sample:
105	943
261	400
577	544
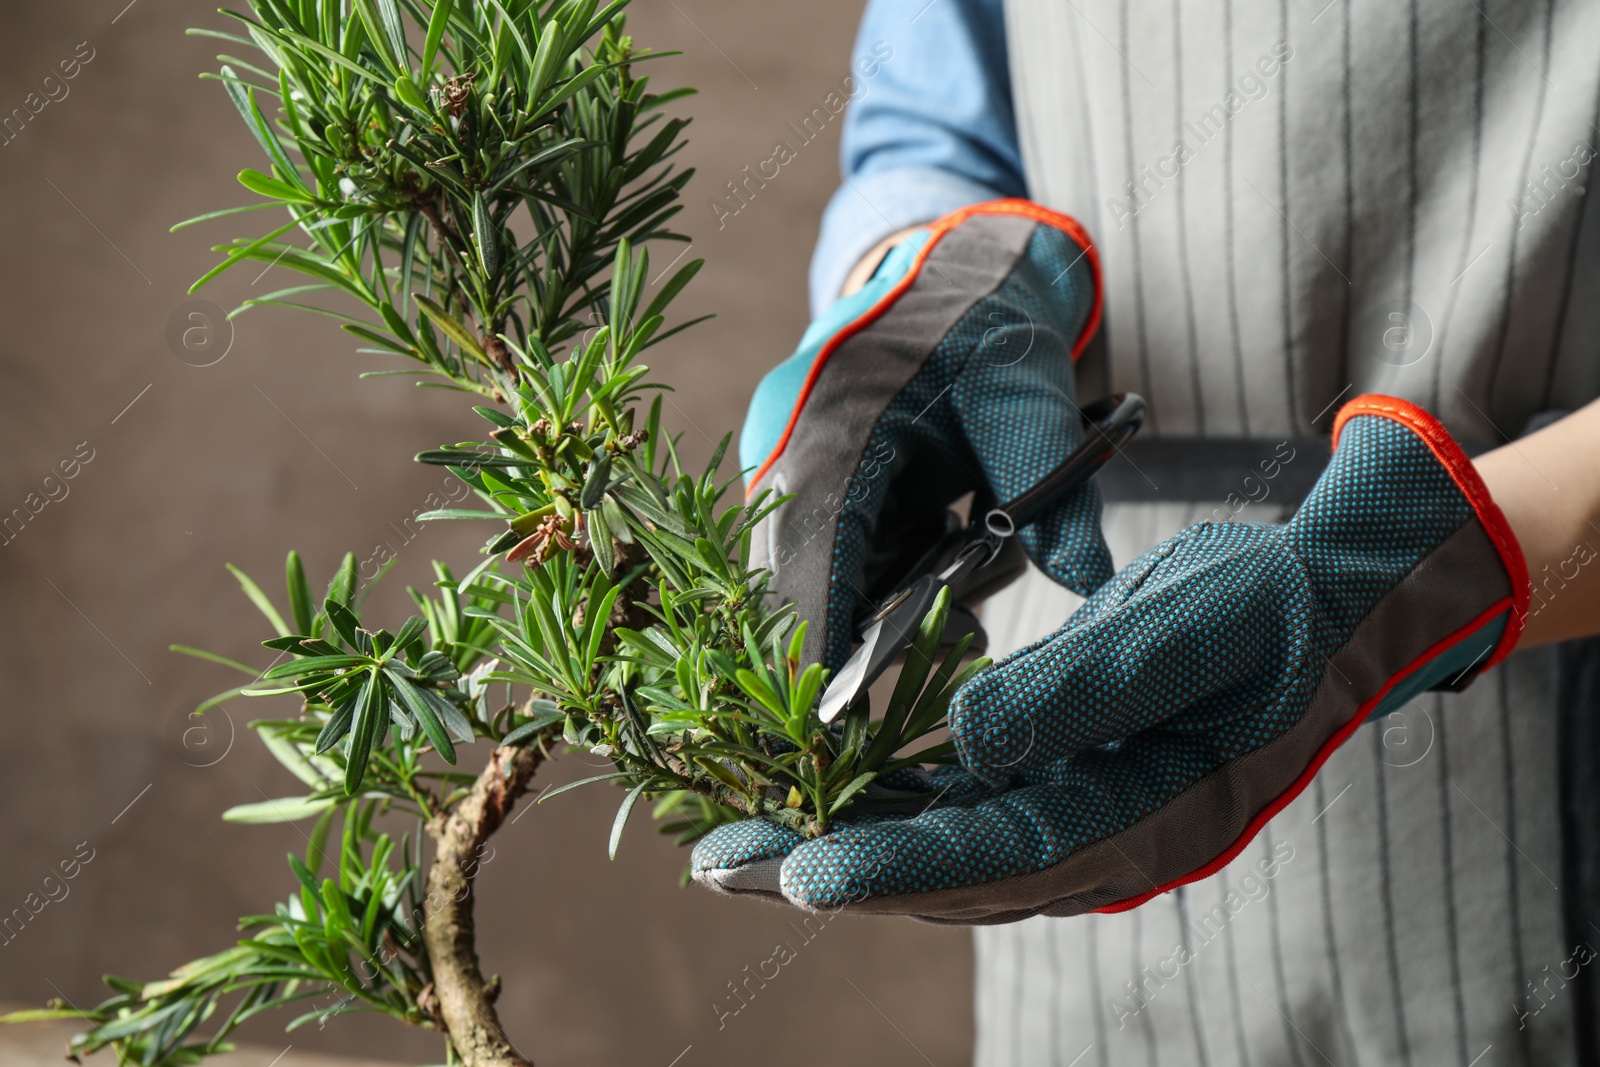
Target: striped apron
1295	204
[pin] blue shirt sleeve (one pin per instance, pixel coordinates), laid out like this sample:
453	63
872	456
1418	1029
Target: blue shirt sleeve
929	128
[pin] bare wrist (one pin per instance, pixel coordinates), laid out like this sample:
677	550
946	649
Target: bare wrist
1548	486
868	263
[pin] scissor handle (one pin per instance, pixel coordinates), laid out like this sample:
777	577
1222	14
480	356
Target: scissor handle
1108	424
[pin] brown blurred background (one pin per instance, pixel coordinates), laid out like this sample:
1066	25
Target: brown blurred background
278	445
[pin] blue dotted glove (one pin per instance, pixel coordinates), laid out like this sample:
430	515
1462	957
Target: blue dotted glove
1193	696
949	372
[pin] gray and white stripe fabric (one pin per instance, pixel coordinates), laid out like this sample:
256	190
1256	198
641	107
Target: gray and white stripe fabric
1269	182
1404	910
1295	202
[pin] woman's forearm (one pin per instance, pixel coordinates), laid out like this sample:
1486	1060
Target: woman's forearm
1548	485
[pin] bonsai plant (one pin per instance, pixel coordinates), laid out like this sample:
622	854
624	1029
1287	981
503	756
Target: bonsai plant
480	181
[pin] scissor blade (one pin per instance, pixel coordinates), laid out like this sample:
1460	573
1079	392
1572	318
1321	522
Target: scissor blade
852	677
881	644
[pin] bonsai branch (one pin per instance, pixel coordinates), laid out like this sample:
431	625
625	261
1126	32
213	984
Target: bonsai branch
464	997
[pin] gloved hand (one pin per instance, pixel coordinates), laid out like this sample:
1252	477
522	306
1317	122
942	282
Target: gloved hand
1144	744
949	372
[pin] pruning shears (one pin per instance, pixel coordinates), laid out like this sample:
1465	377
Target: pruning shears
959	560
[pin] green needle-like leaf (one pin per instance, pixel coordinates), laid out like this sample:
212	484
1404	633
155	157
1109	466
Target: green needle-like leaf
260	600
418	705
260	183
485	240
299	593
621	820
287	809
370	711
200	653
438	22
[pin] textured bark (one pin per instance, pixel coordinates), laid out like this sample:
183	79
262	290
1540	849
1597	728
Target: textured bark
497	350
465	999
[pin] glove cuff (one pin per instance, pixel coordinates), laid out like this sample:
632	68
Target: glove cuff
1459	467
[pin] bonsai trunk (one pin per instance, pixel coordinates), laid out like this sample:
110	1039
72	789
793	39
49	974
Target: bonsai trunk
465	999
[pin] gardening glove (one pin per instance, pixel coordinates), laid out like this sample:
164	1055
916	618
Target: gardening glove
1183	705
949	372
